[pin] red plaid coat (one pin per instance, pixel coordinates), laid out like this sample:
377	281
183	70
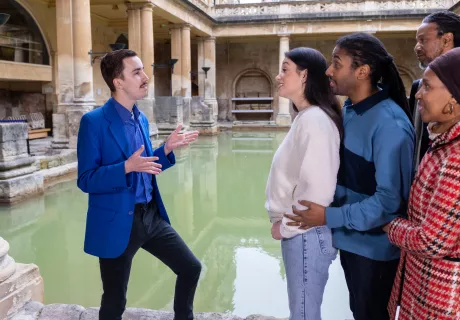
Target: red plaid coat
431	286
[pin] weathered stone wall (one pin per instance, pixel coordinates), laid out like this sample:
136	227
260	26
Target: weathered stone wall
235	58
21	103
18	176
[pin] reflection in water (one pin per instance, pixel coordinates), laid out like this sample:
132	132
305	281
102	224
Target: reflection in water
215	199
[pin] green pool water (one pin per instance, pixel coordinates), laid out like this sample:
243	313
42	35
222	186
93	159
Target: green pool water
215	199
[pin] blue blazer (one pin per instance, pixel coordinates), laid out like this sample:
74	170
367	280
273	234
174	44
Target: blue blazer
102	150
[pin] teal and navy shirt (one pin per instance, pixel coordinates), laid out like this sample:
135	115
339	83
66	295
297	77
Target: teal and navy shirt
374	178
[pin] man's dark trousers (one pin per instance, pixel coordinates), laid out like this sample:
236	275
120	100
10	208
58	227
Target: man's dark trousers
369	284
151	233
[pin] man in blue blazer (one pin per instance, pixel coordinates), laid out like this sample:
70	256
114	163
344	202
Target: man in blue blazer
125	210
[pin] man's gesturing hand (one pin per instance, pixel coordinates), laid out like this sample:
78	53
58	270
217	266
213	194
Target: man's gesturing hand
136	163
177	140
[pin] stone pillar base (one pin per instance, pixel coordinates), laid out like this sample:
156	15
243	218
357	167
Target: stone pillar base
169	112
165	129
204	116
205	128
24	285
74	115
147	106
213	108
283	120
60	140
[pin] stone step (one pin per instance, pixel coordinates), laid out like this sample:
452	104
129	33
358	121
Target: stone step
254	123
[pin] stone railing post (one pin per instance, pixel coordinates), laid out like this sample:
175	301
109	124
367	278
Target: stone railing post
19	284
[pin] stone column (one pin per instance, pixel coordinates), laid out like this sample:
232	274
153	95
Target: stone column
147	104
284	117
19	284
147	44
134	28
204	111
83	70
186	65
63	65
176	53
186	68
210	78
201	78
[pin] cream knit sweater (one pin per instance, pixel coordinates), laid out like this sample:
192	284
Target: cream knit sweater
304	167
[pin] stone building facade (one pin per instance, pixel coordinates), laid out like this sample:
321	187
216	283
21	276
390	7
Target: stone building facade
45	66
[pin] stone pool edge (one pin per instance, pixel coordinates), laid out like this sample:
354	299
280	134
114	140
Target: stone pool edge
37	311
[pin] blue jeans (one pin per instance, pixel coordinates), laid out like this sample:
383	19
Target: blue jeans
307	258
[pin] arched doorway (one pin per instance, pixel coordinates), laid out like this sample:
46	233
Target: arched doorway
20	37
252	96
22	42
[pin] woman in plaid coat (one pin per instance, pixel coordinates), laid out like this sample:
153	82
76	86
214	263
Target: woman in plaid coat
427	285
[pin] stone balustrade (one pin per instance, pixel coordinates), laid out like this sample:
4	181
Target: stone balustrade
202	4
19	284
7	264
328	8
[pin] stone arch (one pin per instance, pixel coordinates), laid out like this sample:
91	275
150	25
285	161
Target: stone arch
33	23
252	93
255	72
407	76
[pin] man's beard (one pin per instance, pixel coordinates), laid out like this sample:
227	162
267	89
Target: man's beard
423	66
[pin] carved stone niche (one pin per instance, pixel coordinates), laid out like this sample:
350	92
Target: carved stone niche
252	96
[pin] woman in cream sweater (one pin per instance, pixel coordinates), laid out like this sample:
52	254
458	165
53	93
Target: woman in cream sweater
305	166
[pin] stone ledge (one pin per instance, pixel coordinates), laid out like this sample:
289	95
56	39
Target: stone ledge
36	311
17	162
52	161
19	188
59	174
31	311
61	312
17	172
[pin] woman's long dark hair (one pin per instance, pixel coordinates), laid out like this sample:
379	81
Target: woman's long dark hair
367	49
317	91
